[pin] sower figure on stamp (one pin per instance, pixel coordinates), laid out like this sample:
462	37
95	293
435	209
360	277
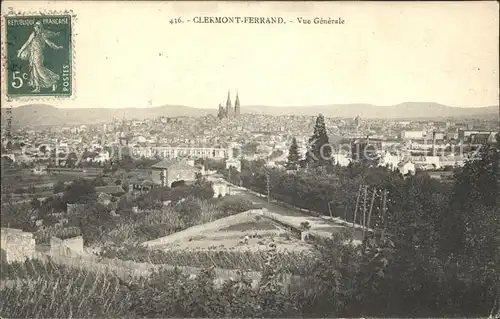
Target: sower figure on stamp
32	51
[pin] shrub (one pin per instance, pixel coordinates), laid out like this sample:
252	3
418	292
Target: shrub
44	234
234	204
305	226
189	211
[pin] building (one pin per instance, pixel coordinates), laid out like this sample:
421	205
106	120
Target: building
222	112
389	160
168	152
141	186
114	190
229	111
438	136
124	133
166	172
465	135
482	139
427	162
409	135
341	159
233	162
220	188
357	122
40	170
406	167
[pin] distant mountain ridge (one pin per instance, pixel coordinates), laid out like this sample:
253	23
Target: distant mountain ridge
42	114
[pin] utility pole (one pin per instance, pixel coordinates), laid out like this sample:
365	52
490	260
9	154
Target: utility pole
364	209
229	184
356	209
371	208
384	215
162	178
268	187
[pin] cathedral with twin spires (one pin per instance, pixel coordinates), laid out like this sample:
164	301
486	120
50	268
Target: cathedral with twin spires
229	111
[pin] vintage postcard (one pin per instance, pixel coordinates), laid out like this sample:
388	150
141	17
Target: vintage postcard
250	159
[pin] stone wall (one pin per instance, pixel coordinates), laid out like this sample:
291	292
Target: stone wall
16	245
70	247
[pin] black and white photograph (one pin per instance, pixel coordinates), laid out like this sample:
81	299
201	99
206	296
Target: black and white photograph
250	159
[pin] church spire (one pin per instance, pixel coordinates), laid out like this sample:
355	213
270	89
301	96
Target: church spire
123	128
123	133
237	109
229	109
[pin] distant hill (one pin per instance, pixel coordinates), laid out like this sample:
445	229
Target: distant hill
41	114
407	110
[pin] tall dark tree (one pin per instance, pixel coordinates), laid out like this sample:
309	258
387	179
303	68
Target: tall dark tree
319	151
80	191
202	188
293	161
474	206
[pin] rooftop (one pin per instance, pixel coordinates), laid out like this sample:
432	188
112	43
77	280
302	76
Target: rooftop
169	163
111	189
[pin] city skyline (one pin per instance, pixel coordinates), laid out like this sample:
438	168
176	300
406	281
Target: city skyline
380	47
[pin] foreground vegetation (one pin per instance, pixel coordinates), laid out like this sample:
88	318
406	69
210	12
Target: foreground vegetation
290	262
343	281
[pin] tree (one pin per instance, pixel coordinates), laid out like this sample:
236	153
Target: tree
189	210
319	151
234	204
35	204
249	148
59	187
125	186
71	160
293	161
180	183
202	188
80	191
106	169
305	226
99	181
96	221
232	175
364	153
32	189
469	235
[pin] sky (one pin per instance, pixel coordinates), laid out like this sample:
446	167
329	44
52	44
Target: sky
127	54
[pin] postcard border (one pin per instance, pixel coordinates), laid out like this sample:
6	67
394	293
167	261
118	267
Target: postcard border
10	12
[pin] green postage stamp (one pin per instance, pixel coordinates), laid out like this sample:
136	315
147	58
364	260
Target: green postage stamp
38	55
